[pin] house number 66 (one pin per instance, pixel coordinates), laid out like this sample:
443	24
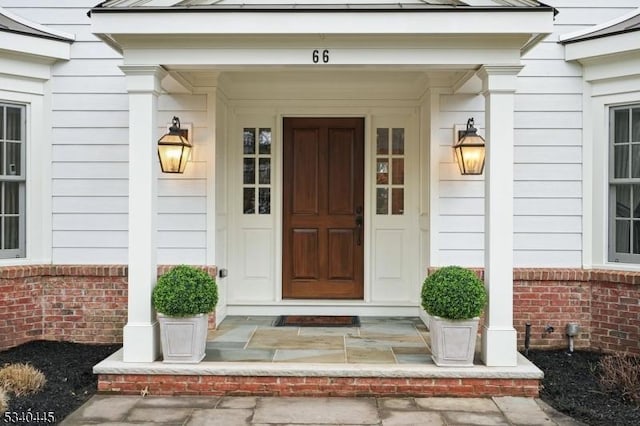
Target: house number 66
316	56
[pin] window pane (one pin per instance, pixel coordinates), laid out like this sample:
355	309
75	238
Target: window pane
382	201
623	201
2	144
382	171
264	195
13	159
621	129
11	240
382	141
621	161
1	122
249	141
264	177
636	237
622	236
398	171
249	201
398	141
14	129
635	160
635	125
11	198
265	141
397	201
249	171
636	201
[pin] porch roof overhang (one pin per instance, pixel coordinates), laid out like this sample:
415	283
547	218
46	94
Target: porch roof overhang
29	40
124	23
613	37
610	50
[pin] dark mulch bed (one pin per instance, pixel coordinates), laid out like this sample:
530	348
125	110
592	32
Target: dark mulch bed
68	369
571	385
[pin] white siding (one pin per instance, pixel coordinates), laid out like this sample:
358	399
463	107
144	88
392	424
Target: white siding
548	154
90	151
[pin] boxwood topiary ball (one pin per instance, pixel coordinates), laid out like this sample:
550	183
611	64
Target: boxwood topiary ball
453	293
185	291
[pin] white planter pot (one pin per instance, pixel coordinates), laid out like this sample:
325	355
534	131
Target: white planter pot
426	318
453	343
183	339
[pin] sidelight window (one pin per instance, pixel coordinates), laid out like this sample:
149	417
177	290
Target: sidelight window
389	168
256	166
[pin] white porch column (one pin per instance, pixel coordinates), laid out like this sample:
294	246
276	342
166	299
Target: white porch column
499	341
141	334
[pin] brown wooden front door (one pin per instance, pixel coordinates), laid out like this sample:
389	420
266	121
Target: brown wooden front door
323	214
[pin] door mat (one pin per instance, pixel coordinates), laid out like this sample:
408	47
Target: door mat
317	321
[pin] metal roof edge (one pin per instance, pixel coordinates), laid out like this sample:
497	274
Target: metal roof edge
314	9
595	37
583	35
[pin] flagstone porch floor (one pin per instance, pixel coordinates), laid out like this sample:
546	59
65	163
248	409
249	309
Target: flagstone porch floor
377	341
385	356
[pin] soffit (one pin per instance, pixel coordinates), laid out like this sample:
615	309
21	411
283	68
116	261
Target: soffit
285	83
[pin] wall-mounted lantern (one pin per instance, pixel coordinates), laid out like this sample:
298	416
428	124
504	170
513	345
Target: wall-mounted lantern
469	149
174	148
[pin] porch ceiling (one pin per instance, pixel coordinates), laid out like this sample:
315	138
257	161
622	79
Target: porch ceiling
276	81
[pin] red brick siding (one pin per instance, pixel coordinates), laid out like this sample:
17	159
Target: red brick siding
615	317
314	386
605	303
86	304
554	303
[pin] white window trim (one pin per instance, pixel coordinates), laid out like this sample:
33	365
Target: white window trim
38	177
25	80
624	258
596	142
20	251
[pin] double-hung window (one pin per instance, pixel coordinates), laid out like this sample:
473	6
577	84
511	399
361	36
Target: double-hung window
624	184
12	180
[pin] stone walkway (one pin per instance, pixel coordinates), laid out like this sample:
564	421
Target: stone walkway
232	411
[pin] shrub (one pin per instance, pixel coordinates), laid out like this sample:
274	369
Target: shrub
453	293
185	291
4	401
621	372
21	379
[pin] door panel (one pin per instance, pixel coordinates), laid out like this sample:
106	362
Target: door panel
341	183
306	263
304	174
341	247
323	201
